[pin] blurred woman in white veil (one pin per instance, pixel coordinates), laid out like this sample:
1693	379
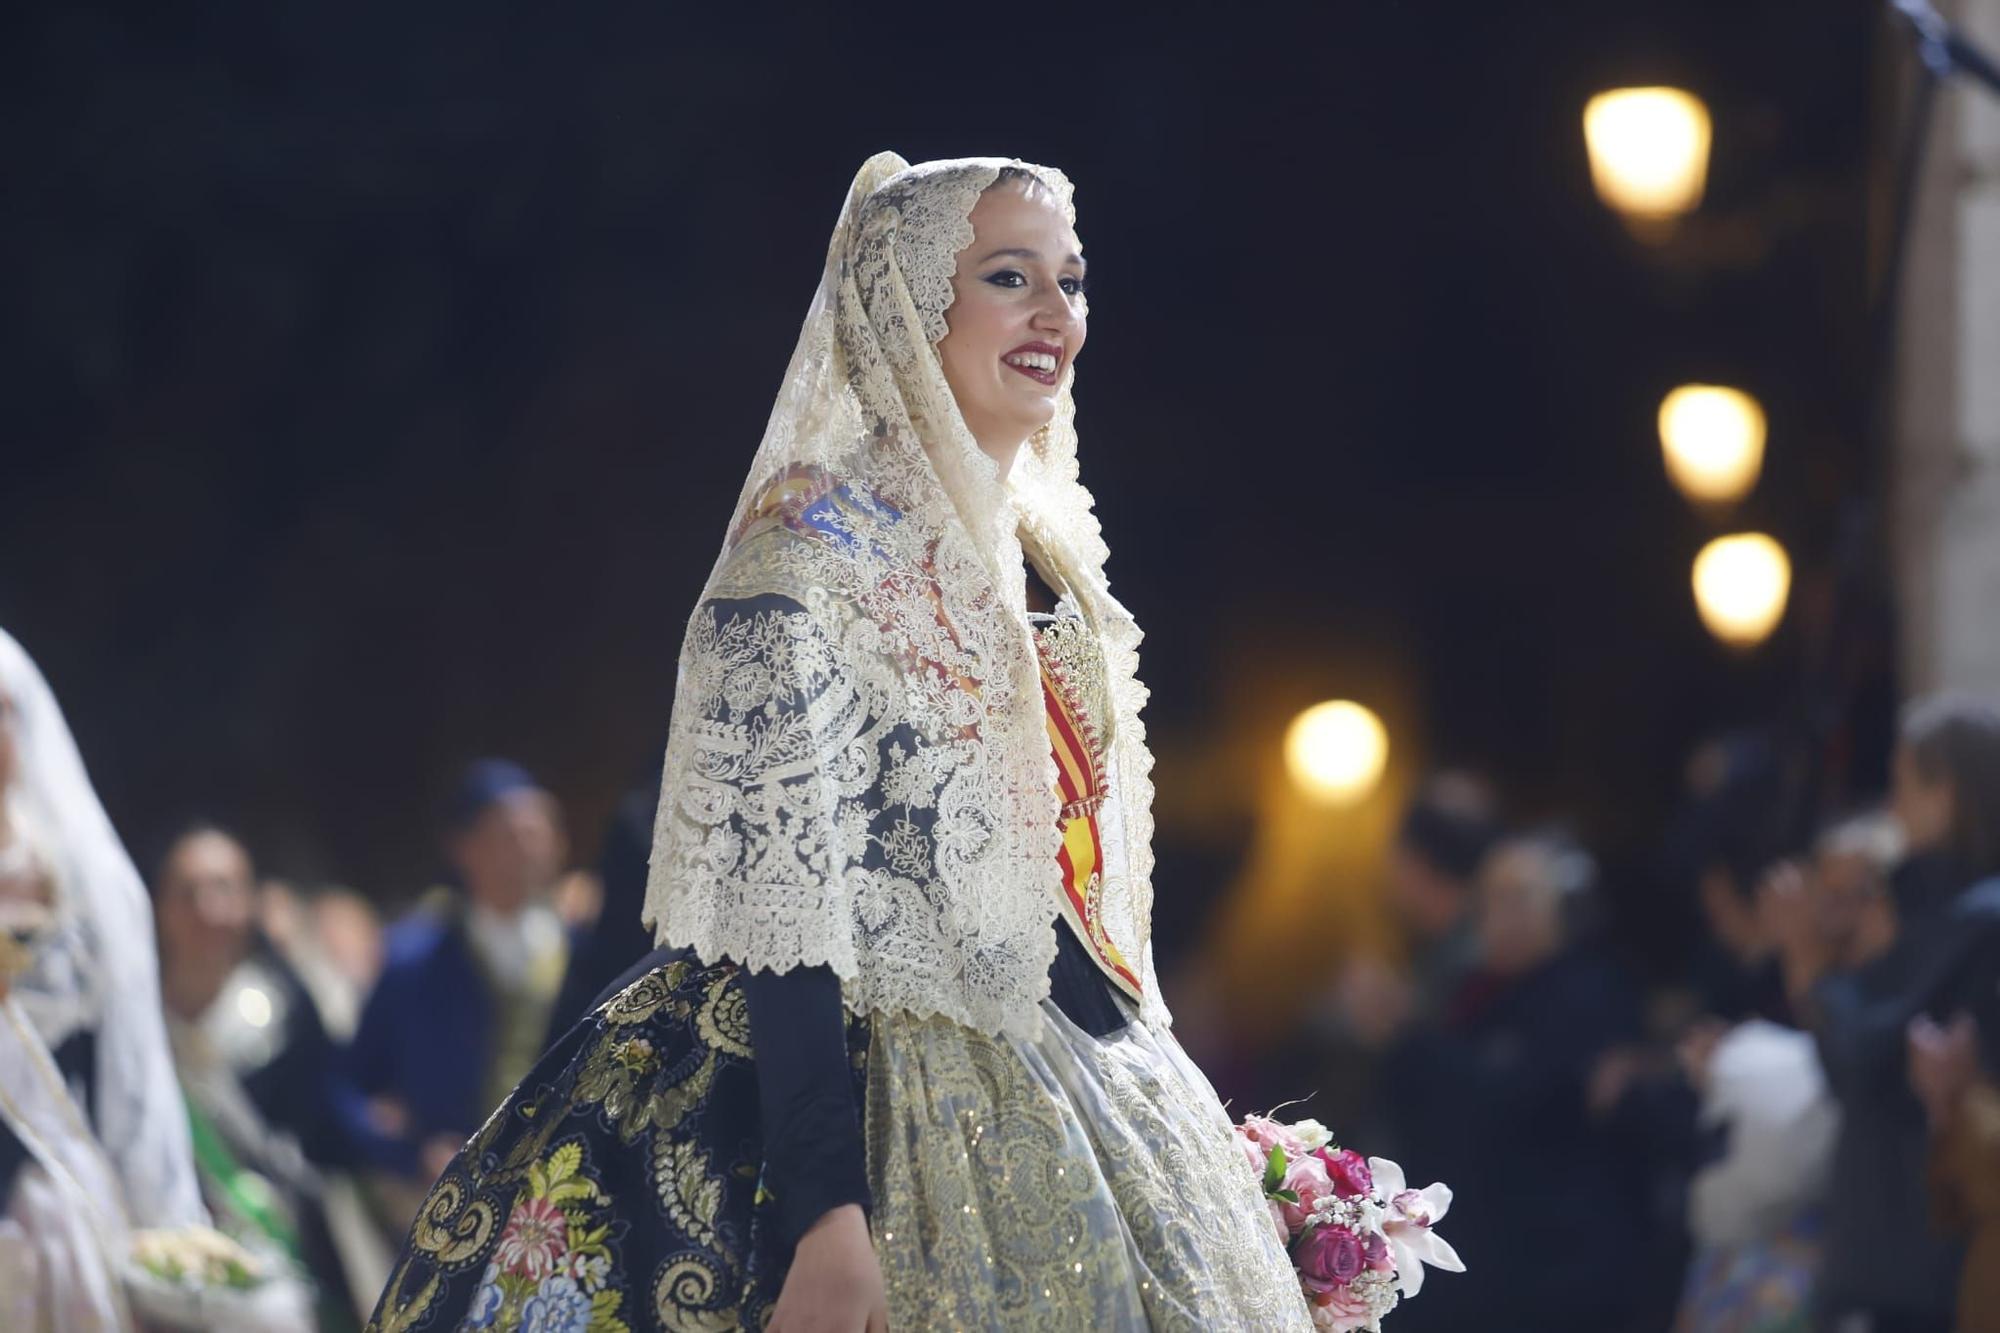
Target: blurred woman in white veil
93	1133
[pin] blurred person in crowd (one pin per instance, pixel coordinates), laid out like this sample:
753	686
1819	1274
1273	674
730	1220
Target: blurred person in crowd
1724	839
1884	1262
1961	1096
332	938
1716	845
579	899
1445	832
281	913
348	930
1768	1121
467	985
254	1062
93	1135
1491	1095
617	937
1433	862
236	1010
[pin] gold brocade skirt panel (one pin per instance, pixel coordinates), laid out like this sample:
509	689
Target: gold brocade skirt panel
1067	1182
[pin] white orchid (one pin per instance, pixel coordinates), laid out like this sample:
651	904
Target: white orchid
1410	1216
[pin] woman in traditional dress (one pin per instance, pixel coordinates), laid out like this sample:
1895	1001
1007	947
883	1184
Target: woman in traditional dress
93	1133
902	1059
98	1190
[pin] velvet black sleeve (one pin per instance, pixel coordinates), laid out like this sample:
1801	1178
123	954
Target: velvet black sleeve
814	1160
1079	989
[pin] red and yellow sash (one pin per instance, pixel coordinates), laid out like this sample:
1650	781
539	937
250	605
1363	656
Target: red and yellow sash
1080	781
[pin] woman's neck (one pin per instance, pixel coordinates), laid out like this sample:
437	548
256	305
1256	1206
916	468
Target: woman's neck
1002	452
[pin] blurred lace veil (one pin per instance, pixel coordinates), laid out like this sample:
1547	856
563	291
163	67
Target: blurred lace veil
99	964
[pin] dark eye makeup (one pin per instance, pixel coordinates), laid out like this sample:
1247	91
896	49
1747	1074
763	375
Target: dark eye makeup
1014	279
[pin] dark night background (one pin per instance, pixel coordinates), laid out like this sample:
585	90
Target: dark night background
379	376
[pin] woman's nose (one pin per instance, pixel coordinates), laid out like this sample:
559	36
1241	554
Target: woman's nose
1057	315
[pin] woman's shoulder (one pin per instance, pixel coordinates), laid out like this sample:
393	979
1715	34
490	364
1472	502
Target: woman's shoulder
655	961
801	528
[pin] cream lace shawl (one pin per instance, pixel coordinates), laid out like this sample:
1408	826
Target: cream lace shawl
858	772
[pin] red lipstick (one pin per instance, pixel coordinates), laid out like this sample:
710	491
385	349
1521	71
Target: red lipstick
1039	361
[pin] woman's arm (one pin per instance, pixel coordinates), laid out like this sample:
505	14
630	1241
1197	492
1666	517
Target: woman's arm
813	1154
815	1165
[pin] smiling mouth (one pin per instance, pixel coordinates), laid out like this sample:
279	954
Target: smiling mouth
1040	366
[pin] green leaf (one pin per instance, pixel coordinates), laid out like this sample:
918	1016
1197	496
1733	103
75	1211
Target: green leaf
1274	1169
1289	1196
604	1313
564	1162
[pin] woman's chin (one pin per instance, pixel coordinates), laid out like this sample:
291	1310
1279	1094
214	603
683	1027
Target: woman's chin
1036	413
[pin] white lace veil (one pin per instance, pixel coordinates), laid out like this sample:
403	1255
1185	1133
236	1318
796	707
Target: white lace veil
858	772
99	966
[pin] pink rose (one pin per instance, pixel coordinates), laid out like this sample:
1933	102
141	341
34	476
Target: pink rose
1375	1253
1278	1222
1253	1155
1268	1134
1329	1257
1306	1177
1349	1171
1342	1310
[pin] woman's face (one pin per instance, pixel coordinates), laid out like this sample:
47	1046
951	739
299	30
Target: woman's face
1923	806
205	905
1017	317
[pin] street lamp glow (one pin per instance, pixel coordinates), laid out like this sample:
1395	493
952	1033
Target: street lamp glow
1741	584
1713	439
1336	751
1648	151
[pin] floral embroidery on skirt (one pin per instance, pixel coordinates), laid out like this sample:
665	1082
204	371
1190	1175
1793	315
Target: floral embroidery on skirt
617	1188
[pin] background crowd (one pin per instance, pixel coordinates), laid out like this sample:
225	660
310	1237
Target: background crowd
1799	1128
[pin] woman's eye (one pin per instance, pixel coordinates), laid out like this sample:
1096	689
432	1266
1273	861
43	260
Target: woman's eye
1014	279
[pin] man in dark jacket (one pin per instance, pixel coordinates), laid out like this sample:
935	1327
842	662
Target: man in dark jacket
468	982
1548	1208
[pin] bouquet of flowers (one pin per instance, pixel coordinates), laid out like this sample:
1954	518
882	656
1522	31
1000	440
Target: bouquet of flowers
1358	1236
198	1278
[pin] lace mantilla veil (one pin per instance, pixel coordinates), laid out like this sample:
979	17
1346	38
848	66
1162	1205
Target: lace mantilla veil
98	965
858	772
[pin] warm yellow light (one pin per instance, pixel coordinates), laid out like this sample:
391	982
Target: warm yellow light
1336	751
1740	586
1648	151
1713	438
